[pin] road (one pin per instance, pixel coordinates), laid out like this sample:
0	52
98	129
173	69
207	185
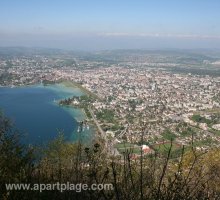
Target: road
123	132
109	145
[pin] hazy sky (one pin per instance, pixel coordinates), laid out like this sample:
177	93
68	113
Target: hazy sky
110	24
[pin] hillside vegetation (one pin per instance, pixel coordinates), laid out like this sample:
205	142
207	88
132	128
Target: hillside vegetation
192	175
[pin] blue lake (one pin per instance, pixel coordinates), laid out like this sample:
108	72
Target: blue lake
35	113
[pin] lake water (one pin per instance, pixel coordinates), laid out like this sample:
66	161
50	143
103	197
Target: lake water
35	113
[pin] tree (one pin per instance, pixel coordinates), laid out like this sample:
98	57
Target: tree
16	160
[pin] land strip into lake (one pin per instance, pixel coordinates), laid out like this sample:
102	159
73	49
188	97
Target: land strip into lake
34	111
85	103
83	89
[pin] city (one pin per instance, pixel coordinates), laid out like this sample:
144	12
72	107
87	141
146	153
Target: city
135	103
110	100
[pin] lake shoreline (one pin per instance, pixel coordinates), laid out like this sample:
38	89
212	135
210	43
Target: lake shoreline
59	91
76	113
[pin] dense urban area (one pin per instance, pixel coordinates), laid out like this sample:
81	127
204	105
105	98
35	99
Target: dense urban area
138	99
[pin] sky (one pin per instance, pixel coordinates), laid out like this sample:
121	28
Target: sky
112	24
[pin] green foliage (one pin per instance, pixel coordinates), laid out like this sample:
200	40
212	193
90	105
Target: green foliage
204	142
106	115
116	127
187	132
168	135
194	175
217	97
200	119
85	98
16	160
88	114
130	118
48	82
110	98
69	62
164	147
132	104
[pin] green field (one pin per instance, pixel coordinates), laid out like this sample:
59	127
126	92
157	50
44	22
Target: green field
164	147
168	135
124	145
128	147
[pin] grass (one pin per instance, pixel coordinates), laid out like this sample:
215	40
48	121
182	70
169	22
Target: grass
188	132
163	147
200	119
215	131
168	135
124	147
207	142
131	150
